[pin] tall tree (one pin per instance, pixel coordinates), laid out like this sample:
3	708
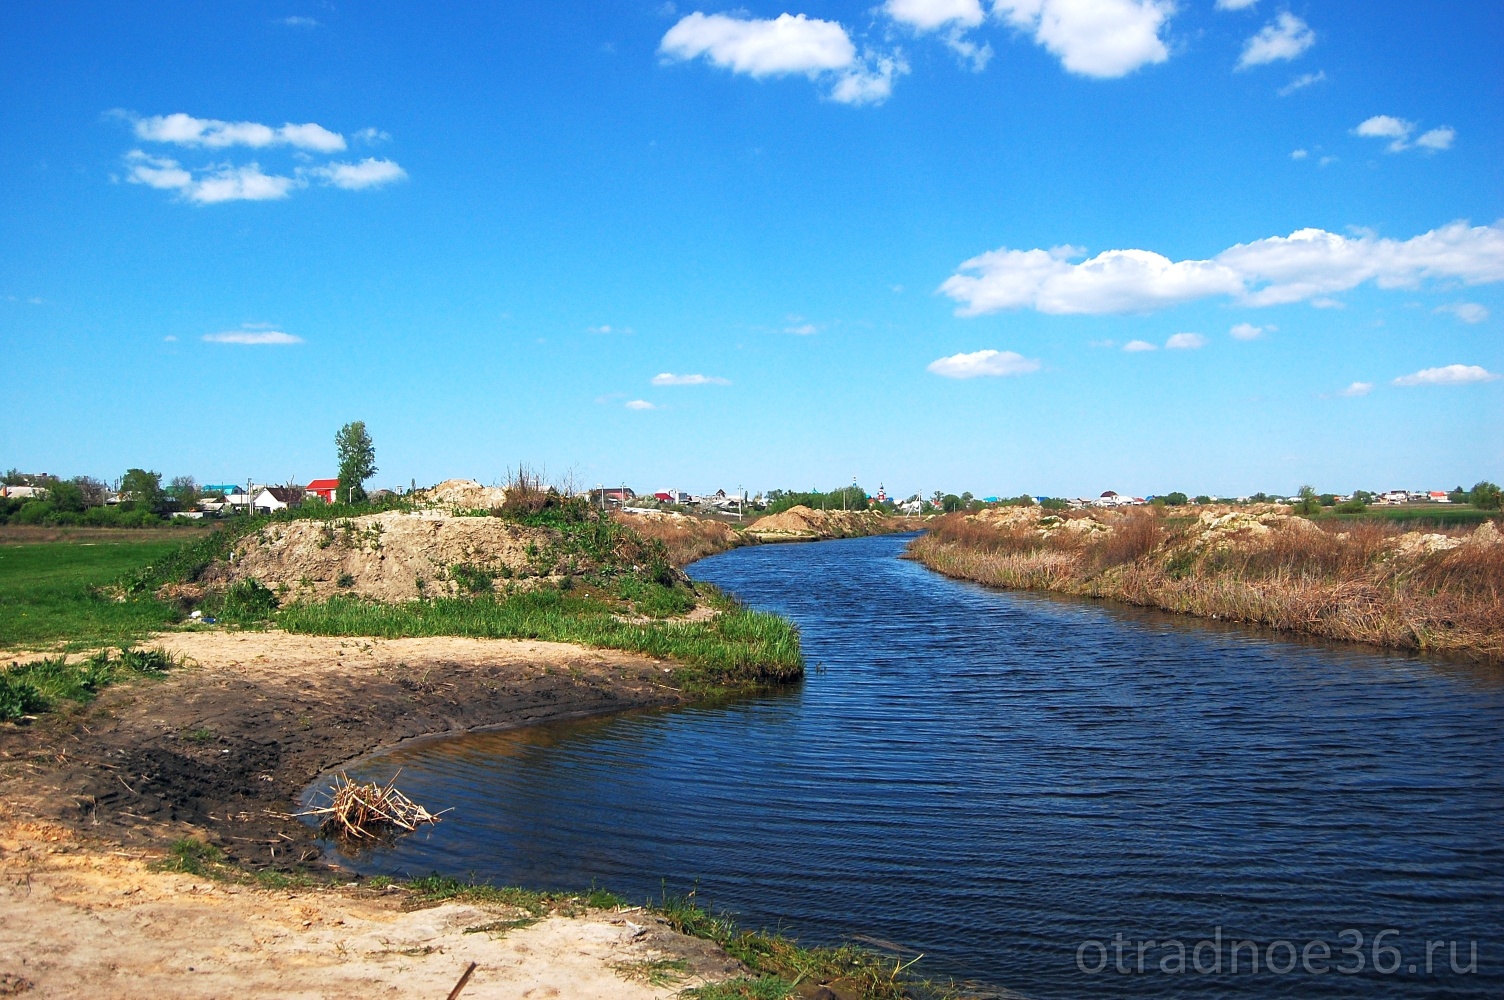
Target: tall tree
357	460
142	488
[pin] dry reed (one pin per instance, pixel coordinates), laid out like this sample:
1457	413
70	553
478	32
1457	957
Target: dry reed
370	811
1341	582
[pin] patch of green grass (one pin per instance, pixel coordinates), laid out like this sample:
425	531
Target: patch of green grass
653	971
1416	517
503	926
736	647
742	988
202	734
40	685
50	594
193	857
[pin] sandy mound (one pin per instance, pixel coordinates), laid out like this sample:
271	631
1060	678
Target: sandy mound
803	523
684	537
462	494
393	556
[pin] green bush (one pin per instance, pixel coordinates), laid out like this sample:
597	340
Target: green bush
1485	496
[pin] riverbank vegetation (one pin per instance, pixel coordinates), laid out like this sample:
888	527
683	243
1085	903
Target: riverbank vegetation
1368	581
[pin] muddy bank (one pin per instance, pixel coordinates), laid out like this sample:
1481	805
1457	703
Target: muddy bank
220	749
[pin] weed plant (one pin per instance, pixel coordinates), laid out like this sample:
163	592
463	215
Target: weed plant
44	684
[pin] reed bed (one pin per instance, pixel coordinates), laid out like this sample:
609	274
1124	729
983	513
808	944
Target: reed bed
1356	582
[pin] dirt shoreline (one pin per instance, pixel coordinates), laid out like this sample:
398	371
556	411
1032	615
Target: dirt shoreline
221	749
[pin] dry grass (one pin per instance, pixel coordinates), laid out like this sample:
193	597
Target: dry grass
369	811
1353	583
685	539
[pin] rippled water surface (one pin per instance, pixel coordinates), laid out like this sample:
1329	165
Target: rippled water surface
998	780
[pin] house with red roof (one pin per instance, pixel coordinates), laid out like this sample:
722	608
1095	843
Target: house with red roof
323	488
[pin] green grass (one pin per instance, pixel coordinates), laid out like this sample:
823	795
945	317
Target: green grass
1417	517
736	647
40	685
48	594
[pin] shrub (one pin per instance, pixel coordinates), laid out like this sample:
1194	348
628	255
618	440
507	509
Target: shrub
1486	496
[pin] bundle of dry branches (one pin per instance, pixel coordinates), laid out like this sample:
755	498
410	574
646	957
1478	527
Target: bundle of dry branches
370	811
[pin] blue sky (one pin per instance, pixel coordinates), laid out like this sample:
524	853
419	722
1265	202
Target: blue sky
487	229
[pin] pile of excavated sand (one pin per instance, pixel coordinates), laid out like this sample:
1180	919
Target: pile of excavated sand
462	494
802	522
392	556
1046	523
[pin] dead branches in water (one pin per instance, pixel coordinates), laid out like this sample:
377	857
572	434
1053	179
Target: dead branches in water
370	811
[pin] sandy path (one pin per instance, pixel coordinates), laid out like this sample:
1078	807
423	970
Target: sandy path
88	923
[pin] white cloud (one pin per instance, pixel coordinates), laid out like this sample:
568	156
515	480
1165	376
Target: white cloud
368	173
789	44
1298	154
931	15
298	22
185	130
1309	264
639	404
1448	375
1286	37
1185	342
1437	138
1357	389
669	378
802	329
1468	312
155	171
952	17
1235	4
1247	331
252	333
219	184
371	136
1099	38
1136	346
171	338
1387	127
1325	160
1302	82
980	363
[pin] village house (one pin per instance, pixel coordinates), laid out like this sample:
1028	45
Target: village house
325	488
275	498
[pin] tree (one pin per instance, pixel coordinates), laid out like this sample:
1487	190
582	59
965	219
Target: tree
92	489
1458	495
1175	499
66	496
142	488
357	460
1486	496
185	491
1308	503
1203	498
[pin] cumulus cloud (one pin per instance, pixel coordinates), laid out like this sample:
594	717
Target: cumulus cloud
371	136
1468	312
1309	264
1247	331
1286	37
1235	4
218	184
669	378
1302	82
1357	389
185	130
1137	346
983	363
1298	154
1097	38
1387	127
368	173
1437	138
787	45
952	19
1185	342
932	15
1448	375
640	404
252	333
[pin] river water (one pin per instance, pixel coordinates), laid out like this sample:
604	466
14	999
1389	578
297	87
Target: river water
1007	782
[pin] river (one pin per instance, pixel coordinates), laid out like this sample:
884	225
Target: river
1009	782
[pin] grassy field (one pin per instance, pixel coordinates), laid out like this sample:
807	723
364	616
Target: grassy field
737	646
48	598
1418	517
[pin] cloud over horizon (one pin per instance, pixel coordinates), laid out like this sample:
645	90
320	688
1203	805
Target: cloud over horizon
986	363
669	378
1448	375
252	334
1309	264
